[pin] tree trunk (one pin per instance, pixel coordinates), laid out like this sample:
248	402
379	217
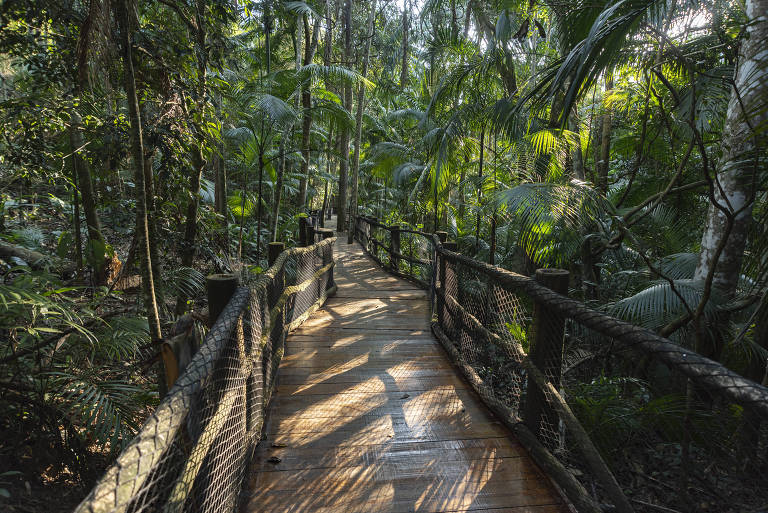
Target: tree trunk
97	245
722	249
76	222
198	161
341	220
137	147
278	190
577	156
404	64
220	174
480	188
603	166
310	47
359	126
149	191
259	208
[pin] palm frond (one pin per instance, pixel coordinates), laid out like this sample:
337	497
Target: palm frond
107	409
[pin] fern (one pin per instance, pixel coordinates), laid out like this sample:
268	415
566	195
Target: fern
107	409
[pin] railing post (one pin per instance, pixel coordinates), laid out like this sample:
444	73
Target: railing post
443	236
325	233
372	232
310	235
273	251
394	260
546	350
450	246
303	232
220	289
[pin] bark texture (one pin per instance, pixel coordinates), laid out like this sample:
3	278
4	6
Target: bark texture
743	147
359	125
341	220
137	147
310	47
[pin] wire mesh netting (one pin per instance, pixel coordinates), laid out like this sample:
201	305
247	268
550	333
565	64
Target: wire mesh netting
665	421
191	454
404	252
633	419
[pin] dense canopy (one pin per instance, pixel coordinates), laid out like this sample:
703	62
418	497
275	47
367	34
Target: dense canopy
147	143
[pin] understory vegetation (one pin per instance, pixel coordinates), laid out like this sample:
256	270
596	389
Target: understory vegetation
147	143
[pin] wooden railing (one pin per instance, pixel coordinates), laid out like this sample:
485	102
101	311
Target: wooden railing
191	454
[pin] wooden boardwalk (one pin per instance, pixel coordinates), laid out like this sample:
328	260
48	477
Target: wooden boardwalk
369	415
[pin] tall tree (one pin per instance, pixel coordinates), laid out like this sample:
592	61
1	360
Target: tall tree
310	48
341	220
137	150
92	26
733	187
359	125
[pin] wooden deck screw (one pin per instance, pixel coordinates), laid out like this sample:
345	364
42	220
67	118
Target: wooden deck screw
394	260
220	289
546	350
273	251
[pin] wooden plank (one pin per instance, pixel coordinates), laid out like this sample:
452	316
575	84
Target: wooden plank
403	385
417	453
369	415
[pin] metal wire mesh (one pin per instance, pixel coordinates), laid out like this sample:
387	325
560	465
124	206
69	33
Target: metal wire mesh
404	252
655	411
192	453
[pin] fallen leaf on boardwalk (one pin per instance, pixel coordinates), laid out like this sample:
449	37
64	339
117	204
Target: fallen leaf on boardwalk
405	396
274	459
276	444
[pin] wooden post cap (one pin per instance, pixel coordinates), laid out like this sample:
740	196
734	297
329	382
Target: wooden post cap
273	251
555	279
443	236
220	288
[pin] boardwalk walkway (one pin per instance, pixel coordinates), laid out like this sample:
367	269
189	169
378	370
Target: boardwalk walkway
369	415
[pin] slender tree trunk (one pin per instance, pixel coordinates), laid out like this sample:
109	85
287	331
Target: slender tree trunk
310	47
454	20
462	199
220	173
96	243
722	250
198	161
259	206
278	190
404	64
359	126
137	147
267	35
492	253
480	188
149	191
341	220
97	246
603	165
76	223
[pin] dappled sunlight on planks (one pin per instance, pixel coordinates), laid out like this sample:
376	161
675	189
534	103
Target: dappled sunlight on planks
369	415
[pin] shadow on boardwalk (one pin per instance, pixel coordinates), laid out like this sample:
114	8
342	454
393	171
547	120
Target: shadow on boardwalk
369	415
